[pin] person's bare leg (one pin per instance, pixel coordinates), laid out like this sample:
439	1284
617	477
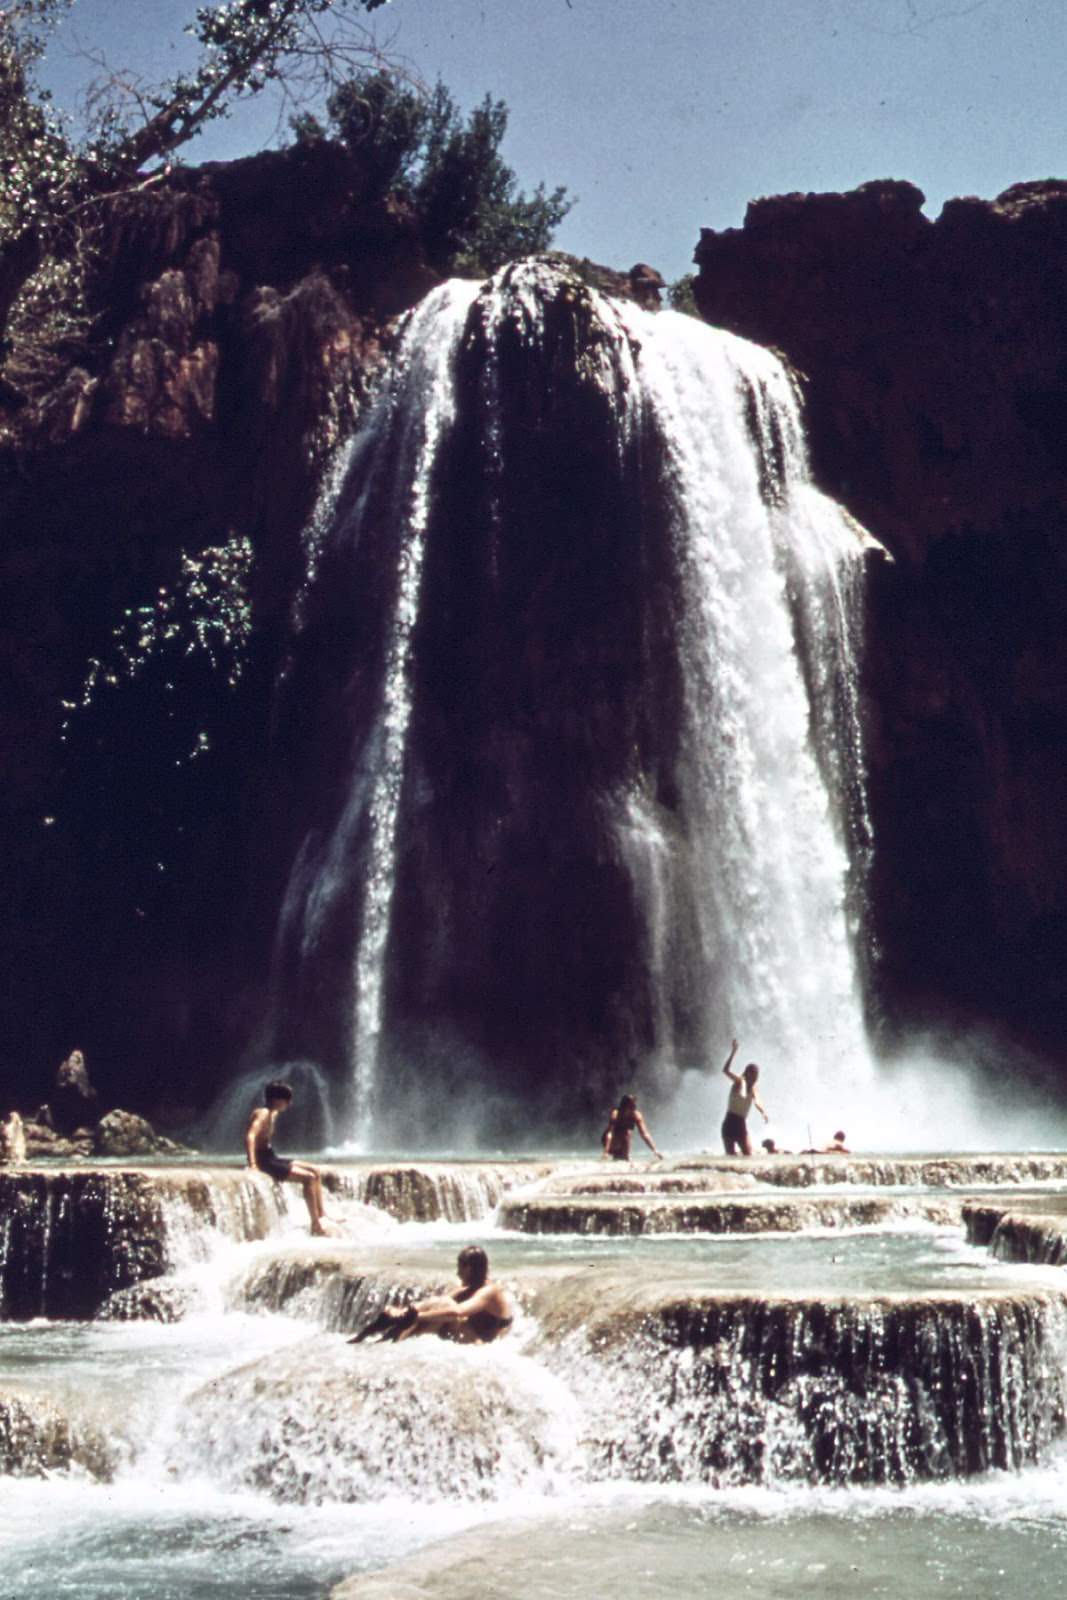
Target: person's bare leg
307	1177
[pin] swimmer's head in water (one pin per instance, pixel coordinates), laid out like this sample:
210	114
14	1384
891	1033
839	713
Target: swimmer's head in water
277	1093
627	1103
473	1266
770	1147
840	1136
751	1073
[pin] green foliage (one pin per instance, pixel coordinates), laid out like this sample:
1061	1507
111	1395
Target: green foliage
40	171
244	45
472	215
55	192
207	611
680	295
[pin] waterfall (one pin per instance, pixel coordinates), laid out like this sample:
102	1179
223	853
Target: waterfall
768	589
398	443
602	804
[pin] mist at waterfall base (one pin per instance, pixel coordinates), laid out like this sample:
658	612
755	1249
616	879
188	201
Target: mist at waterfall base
578	655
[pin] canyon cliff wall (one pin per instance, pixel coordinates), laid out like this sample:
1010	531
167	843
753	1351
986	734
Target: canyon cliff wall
934	355
151	503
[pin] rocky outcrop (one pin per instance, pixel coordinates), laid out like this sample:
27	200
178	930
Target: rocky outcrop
123	1133
934	355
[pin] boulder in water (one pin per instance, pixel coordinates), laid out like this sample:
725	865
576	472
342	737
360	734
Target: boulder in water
158	1300
123	1133
337	1422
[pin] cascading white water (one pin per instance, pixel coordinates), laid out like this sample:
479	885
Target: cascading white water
768	575
398	441
748	883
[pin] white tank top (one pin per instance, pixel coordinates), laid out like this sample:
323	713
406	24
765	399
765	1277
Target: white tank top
740	1102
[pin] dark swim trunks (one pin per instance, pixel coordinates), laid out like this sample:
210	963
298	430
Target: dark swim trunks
734	1132
275	1166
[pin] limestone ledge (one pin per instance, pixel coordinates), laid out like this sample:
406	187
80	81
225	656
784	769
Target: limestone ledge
1028	1228
711	1214
72	1237
938	1170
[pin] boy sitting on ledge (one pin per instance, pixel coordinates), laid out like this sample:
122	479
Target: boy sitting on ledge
262	1156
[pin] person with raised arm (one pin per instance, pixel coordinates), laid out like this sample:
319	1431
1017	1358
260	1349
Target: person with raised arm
618	1134
743	1096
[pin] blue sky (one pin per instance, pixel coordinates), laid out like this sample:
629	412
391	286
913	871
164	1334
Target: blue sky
665	116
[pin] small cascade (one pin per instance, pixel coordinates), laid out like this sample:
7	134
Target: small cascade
442	1193
1038	1236
391	468
71	1240
733	1391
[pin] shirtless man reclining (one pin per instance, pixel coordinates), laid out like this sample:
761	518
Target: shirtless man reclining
476	1312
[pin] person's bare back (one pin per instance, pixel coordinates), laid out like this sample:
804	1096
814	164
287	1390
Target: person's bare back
476	1312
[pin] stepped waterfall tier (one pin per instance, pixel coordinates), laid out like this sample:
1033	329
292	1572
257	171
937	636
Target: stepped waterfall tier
574	671
179	1389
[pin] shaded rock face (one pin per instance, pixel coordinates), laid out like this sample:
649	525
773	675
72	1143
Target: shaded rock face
935	355
228	356
536	689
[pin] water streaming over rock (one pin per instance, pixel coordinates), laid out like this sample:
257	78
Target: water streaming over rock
585	782
249	1443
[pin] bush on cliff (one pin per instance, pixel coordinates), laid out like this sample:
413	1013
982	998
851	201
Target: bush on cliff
420	147
56	191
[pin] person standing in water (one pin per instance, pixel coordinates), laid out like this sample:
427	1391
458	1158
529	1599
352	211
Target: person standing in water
476	1312
262	1157
618	1134
743	1096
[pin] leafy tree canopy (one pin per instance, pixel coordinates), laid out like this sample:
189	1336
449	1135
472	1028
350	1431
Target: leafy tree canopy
243	46
472	215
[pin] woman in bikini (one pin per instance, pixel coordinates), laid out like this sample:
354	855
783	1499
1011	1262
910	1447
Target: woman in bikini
618	1134
743	1096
